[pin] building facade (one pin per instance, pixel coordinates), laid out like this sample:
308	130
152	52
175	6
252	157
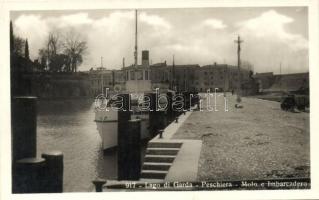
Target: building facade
222	76
191	77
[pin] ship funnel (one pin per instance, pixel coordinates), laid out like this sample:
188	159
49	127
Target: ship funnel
145	58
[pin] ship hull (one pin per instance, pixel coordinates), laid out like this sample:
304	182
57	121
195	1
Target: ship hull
107	127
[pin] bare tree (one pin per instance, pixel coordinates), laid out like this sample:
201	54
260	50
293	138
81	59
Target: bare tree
74	47
49	52
53	43
63	53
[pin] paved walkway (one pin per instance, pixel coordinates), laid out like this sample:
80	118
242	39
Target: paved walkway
185	166
171	129
258	141
255	142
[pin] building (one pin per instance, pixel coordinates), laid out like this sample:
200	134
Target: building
103	78
298	82
198	79
221	76
161	75
269	82
185	77
178	77
190	77
265	80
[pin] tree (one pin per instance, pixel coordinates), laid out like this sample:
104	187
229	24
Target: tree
48	54
75	48
63	54
16	43
11	38
26	50
54	44
59	63
43	56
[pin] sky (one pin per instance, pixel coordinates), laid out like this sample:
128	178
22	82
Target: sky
273	36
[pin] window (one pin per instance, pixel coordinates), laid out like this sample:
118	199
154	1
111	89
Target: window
132	75
139	75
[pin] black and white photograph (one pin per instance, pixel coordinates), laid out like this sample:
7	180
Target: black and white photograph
158	99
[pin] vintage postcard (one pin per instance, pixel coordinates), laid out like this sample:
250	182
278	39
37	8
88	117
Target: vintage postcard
192	98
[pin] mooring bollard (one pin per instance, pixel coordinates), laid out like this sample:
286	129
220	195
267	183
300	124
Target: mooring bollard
153	117
186	96
129	152
24	127
195	99
53	172
176	120
161	120
170	113
124	115
98	183
28	175
198	104
160	132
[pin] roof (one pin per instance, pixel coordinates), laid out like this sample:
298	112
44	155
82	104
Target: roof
159	65
289	82
191	66
137	67
265	74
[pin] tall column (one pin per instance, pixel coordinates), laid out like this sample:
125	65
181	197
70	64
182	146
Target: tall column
24	127
238	41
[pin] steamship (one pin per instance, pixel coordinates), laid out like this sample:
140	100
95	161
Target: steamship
137	82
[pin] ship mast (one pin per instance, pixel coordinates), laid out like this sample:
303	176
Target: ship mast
280	77
135	52
173	73
102	81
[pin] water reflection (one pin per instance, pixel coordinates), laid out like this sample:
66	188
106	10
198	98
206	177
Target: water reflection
68	126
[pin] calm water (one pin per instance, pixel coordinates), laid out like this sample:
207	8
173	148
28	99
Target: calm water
68	126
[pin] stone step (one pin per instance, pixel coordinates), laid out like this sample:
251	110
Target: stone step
165	144
153	174
156	166
159	158
162	151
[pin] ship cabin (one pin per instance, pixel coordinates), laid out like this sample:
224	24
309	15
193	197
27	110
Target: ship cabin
137	77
